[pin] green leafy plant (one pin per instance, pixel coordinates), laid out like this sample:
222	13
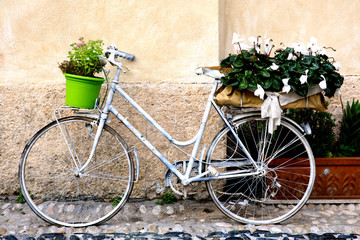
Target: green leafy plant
322	137
167	198
83	58
115	200
21	198
348	144
291	68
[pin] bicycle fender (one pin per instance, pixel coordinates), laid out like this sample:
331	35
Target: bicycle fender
258	114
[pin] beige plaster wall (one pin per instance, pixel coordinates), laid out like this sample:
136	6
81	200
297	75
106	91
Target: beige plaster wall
169	38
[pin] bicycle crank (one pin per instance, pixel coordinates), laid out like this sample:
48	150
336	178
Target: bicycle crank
172	181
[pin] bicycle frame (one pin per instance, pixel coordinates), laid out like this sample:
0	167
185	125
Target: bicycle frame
185	178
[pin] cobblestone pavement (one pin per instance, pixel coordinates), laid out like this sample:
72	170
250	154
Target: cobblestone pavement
186	219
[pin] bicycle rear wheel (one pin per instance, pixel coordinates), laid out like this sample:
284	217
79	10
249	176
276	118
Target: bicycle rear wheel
284	182
54	188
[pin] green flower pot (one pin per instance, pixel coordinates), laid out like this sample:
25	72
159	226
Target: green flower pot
82	92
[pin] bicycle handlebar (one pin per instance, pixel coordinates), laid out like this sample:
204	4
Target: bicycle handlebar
125	55
112	52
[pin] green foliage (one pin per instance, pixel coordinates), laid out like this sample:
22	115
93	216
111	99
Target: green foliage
323	137
168	198
349	137
83	58
115	200
250	68
21	198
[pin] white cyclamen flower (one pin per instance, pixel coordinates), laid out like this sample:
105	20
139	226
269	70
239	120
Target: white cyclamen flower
313	46
255	43
286	88
237	48
259	92
313	41
236	42
322	51
303	78
236	38
267	46
322	84
258	44
252	40
337	65
246	47
299	48
274	66
292	57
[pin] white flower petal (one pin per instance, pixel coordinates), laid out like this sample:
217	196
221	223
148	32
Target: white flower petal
267	41
267	46
237	48
286	88
337	65
247	47
303	79
322	51
236	38
299	48
274	66
323	84
252	40
313	46
259	92
313	40
315	49
285	81
290	56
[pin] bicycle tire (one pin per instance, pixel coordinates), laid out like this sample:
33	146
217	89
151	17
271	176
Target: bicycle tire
287	168
57	192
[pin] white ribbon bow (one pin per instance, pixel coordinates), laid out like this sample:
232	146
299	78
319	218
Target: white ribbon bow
271	109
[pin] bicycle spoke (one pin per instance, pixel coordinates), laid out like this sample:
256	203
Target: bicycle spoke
257	198
54	187
105	162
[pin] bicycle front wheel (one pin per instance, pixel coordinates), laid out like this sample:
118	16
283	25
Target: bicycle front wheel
278	188
57	191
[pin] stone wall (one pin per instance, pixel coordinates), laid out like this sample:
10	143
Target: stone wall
177	107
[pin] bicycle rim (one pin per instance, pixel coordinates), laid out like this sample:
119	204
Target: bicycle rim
53	187
285	181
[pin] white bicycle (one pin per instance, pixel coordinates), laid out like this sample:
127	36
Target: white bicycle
78	171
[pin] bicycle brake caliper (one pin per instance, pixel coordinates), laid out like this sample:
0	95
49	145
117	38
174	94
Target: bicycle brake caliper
90	127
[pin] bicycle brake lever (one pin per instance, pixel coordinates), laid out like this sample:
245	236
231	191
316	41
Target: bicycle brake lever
125	69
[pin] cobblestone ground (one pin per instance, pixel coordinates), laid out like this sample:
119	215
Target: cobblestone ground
186	220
